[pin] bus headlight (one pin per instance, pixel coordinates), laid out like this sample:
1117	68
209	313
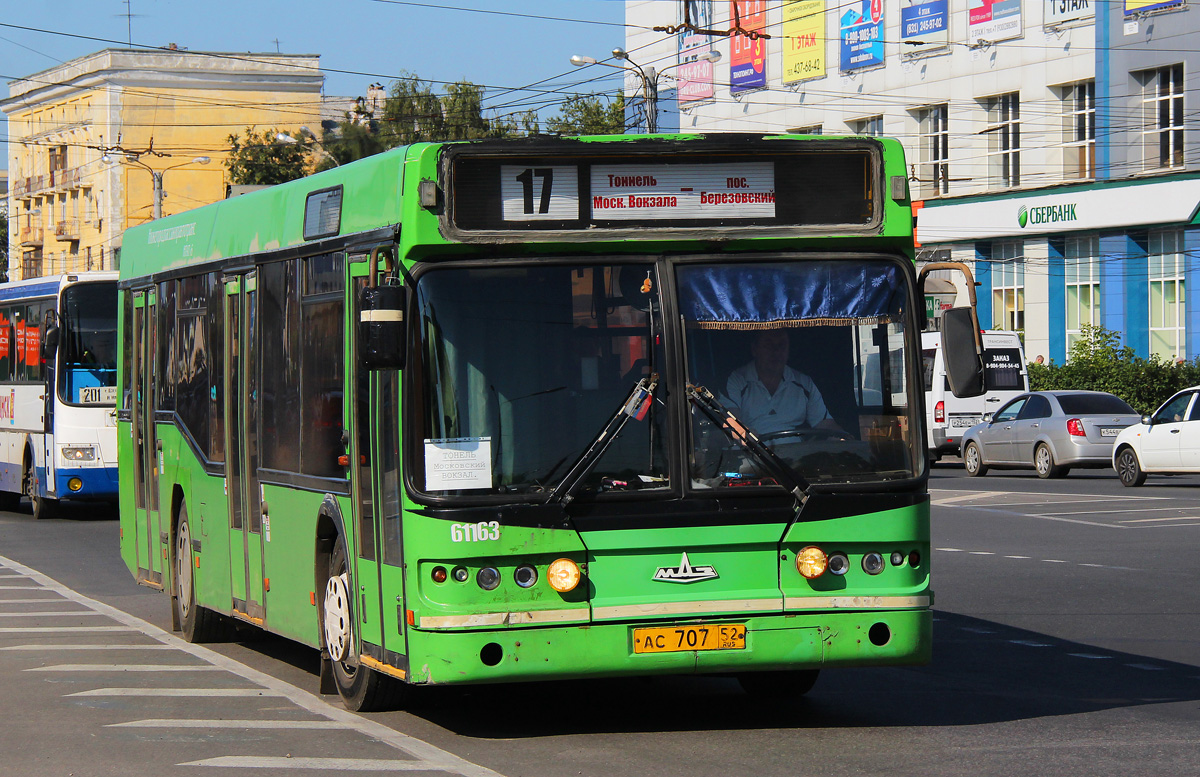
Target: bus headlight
79	453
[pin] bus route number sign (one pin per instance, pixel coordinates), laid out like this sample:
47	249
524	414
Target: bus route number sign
97	395
676	639
549	193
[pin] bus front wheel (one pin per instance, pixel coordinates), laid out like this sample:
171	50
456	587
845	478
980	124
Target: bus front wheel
41	506
362	689
199	624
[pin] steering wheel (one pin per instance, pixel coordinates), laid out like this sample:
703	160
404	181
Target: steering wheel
818	433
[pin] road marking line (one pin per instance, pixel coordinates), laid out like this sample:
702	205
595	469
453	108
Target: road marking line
58	600
981	553
1028	643
1146	667
22	588
124	668
44	648
258	724
950	550
1106	512
1149	520
429	755
1021	557
62	629
972	495
1101	566
329	764
1055	561
1087	655
179	692
52	614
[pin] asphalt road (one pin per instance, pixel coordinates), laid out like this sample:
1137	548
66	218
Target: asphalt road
1066	642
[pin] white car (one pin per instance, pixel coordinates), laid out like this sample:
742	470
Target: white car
1167	442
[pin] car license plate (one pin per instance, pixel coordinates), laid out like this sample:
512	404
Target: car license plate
964	421
1109	431
674	639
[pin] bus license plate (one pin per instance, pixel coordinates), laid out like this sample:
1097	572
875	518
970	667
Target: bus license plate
674	639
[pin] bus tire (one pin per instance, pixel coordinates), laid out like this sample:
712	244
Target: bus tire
1129	469
973	460
41	507
199	624
362	689
779	686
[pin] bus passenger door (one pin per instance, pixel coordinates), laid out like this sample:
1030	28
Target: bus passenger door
241	446
374	450
145	439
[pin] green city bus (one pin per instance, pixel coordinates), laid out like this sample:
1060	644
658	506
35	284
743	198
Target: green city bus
470	412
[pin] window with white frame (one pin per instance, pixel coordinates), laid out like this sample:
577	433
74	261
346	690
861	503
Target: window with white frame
1079	130
1081	260
1004	140
934	137
1165	263
871	126
814	129
1008	285
1162	117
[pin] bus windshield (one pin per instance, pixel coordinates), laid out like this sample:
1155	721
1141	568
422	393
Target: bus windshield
88	344
520	370
809	356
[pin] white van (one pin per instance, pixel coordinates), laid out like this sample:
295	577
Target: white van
947	416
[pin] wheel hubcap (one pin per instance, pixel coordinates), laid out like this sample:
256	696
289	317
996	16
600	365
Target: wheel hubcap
1043	460
337	618
183	569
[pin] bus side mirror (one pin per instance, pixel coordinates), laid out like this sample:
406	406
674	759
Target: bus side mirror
50	341
961	349
381	332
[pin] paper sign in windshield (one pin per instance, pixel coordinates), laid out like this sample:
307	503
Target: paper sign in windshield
457	463
742	190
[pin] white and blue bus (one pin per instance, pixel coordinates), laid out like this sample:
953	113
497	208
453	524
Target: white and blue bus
58	390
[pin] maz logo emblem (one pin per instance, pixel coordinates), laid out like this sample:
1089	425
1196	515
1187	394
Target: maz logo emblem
685	572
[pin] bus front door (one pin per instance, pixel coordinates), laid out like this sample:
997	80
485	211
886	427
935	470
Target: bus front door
374	448
149	543
241	447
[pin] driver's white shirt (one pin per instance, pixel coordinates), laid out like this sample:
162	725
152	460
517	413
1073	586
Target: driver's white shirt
796	403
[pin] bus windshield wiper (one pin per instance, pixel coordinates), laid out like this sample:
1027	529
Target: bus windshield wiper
727	422
635	406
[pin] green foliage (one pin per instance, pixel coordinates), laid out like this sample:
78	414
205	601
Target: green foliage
261	160
588	115
413	113
350	141
1098	362
3	248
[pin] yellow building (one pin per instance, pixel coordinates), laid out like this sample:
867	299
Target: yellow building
88	140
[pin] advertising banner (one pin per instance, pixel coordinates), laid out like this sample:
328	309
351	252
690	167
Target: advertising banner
695	76
993	20
1134	7
1062	11
862	35
748	56
925	21
803	40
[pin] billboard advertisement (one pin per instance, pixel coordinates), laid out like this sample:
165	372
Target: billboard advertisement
1062	11
695	76
862	35
748	56
803	40
993	20
925	21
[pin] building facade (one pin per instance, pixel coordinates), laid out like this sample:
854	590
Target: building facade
95	144
1046	138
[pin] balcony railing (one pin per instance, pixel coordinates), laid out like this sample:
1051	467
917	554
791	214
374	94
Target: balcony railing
29	185
32	236
67	230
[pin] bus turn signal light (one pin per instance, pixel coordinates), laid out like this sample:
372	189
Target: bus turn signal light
563	575
811	562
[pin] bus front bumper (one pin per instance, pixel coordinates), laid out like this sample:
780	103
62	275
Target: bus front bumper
773	642
94	483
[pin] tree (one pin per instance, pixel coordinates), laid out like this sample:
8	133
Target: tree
261	160
588	115
414	113
3	248
349	141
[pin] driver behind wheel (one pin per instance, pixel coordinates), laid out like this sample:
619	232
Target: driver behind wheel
770	397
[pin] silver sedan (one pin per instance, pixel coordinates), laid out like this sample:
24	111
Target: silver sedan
1050	431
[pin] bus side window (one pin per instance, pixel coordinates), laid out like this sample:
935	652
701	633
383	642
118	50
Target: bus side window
6	344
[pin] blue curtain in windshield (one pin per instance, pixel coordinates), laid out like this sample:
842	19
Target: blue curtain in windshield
760	296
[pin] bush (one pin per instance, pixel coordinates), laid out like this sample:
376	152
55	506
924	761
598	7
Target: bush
1098	362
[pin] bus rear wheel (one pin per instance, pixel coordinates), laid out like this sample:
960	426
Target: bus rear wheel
362	689
199	624
779	686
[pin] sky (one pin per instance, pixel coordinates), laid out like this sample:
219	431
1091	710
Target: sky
500	45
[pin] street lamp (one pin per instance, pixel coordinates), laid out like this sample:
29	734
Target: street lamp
648	75
157	175
283	137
